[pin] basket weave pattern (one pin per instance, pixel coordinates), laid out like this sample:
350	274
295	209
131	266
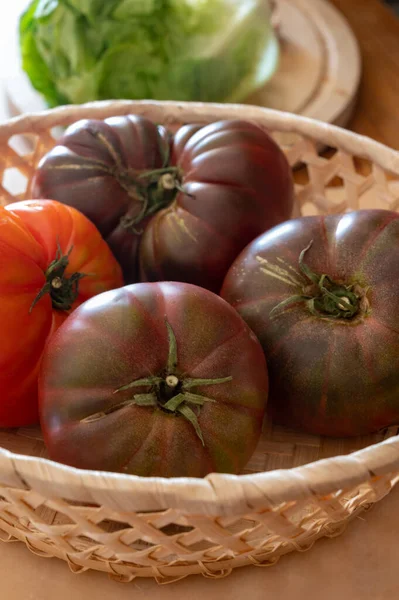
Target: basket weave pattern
167	529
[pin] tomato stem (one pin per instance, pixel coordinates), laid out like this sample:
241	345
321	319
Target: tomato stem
155	189
156	175
63	290
172	381
169	391
326	298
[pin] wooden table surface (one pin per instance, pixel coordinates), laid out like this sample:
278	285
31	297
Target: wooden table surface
361	564
377	30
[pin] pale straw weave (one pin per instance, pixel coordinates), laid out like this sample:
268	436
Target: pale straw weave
167	529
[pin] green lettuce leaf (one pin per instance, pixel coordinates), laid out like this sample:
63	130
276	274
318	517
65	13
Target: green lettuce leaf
208	50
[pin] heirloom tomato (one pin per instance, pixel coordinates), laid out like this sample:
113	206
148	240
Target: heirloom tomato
232	183
194	205
99	168
322	295
154	379
51	259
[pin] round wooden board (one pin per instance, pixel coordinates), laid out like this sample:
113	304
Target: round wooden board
320	65
318	75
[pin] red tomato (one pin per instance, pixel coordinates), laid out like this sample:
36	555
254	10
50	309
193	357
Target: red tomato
235	183
161	379
45	249
322	295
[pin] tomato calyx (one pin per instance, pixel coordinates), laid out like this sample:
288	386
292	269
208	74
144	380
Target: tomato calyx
169	391
322	296
150	190
63	290
155	189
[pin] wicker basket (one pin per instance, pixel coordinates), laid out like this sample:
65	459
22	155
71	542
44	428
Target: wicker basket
167	529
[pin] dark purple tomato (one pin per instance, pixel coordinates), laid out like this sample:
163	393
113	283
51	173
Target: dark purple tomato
322	296
198	203
154	379
96	167
233	182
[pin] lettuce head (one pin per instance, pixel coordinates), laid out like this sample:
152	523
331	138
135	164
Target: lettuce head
76	51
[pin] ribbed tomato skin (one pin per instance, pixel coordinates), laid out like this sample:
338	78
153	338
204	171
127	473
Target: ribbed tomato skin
121	336
331	377
93	168
237	183
235	179
30	234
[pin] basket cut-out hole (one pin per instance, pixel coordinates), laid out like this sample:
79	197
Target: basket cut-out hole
336	195
173	529
335	182
22	144
141	545
329	153
110	526
301	175
362	166
14	181
50	516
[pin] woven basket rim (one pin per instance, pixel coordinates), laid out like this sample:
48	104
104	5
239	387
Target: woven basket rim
216	494
325	133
